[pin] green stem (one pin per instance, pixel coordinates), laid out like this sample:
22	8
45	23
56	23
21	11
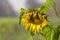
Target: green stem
31	37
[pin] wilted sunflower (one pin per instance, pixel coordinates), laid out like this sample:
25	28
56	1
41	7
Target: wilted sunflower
34	21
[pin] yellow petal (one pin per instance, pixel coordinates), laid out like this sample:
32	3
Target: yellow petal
39	29
33	28
44	23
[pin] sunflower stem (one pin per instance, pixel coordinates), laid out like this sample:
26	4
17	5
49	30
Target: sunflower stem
31	37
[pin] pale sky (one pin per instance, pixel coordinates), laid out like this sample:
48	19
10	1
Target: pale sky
17	4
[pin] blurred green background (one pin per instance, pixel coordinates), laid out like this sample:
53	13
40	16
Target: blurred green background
10	29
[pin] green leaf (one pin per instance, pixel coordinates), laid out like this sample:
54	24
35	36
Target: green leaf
46	29
51	4
56	33
51	33
22	11
44	8
48	33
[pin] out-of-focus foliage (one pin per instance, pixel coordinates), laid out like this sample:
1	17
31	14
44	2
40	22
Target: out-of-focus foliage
8	28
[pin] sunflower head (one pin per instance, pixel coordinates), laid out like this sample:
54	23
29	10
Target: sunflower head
34	21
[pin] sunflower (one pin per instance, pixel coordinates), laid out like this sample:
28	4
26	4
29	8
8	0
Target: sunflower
34	21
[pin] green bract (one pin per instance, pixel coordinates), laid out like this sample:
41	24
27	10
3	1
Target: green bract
22	11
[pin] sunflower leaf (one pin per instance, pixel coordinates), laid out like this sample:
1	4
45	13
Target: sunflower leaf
22	11
44	8
52	33
56	33
51	4
48	33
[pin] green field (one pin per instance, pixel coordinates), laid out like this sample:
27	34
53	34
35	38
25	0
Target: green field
10	29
